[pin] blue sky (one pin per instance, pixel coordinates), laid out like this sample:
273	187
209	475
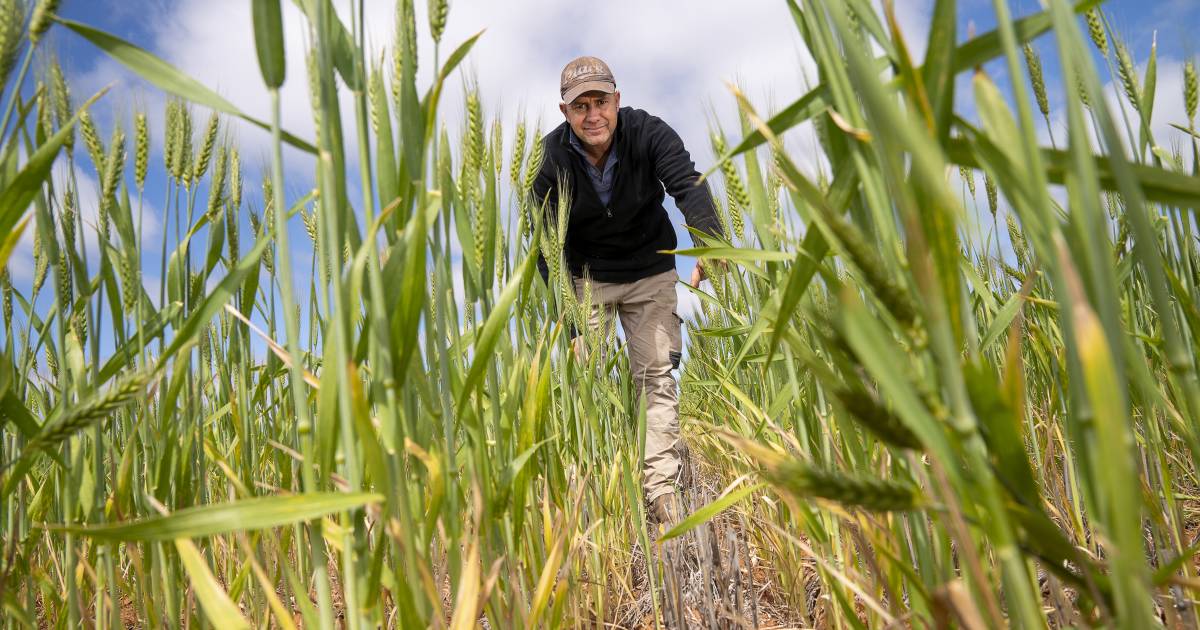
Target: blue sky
673	60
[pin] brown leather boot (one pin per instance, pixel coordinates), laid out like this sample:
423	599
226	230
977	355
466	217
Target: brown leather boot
667	510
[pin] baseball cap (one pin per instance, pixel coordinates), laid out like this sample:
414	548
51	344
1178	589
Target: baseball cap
586	74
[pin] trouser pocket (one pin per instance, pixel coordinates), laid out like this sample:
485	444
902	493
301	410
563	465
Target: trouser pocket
675	354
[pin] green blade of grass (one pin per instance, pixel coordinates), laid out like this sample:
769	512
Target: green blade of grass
222	613
735	254
225	518
1158	184
938	72
496	322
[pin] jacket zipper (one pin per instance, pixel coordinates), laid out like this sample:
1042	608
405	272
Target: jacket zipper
608	211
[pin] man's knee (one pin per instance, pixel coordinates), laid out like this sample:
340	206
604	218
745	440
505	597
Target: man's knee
658	387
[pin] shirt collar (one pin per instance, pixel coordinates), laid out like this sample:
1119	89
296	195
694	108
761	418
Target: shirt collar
573	140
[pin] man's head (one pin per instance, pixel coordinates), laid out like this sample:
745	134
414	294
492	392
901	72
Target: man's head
590	101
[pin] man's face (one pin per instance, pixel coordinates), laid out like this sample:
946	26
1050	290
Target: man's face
593	117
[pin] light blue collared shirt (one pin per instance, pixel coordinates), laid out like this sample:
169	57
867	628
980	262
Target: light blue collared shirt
602	181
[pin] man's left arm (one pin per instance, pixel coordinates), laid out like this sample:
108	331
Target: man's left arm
675	169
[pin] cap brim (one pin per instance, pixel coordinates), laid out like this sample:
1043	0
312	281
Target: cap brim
607	87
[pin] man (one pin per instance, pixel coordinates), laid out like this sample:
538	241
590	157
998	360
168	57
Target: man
615	162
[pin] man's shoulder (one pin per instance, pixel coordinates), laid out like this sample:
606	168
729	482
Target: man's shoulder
632	116
640	126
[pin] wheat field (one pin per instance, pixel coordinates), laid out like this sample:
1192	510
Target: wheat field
946	379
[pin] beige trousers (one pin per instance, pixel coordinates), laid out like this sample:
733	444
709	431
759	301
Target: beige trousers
646	309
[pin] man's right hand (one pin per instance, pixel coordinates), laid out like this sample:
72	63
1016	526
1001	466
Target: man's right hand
700	271
697	275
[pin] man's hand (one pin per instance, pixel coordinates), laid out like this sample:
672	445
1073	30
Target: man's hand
699	272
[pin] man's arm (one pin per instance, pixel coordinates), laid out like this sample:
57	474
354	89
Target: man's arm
675	169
